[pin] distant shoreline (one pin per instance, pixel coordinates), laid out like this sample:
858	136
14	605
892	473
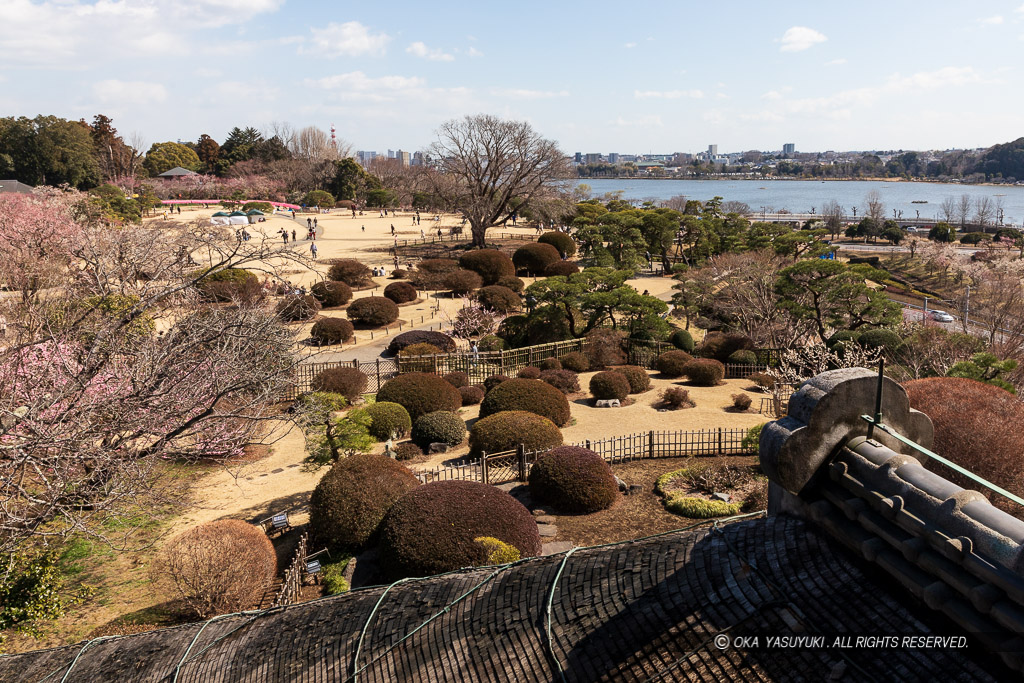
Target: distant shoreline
812	180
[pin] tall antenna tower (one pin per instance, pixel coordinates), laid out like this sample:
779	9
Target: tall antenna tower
334	142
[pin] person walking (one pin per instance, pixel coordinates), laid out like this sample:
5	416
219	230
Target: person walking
364	228
293	236
314	224
312	250
312	234
392	229
284	235
475	350
423	235
309	223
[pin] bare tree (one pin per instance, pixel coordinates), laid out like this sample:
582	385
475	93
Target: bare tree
963	209
832	213
312	144
874	207
948	210
984	210
489	168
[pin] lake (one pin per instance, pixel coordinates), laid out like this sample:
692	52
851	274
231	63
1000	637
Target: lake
801	196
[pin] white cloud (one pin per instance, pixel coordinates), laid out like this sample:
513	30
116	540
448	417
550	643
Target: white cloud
473	52
642	122
350	39
115	92
520	94
836	62
993	20
799	38
420	50
629	46
667	94
360	82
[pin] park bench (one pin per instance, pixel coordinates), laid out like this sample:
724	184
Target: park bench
276	524
313	565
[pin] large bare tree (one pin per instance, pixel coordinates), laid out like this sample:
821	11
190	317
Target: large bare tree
488	168
832	213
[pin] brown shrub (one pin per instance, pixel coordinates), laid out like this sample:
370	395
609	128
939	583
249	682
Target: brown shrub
604	347
420	393
609	385
400	292
490	264
639	380
220	567
721	345
704	372
674	398
331	293
498	298
671	363
561	268
529	372
575	361
457	379
331	331
505	430
471	395
461	282
512	282
550	364
573	479
741	402
438	339
535	257
349	382
373	310
566	381
353	273
295	308
530	395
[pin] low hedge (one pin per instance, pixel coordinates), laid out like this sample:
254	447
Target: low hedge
296	307
704	372
348	382
348	505
561	268
457	379
530	395
550	364
535	257
505	430
407	450
490	264
498	298
388	420
743	357
373	310
573	479
441	426
682	340
432	528
700	508
672	363
639	380
575	361
331	293
331	331
350	271
529	372
471	395
608	385
420	393
559	240
566	381
400	292
438	339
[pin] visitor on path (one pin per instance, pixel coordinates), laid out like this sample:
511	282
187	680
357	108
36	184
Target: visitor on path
312	250
475	350
314	224
293	236
364	228
423	235
392	229
284	235
396	260
293	214
312	234
309	223
439	233
382	213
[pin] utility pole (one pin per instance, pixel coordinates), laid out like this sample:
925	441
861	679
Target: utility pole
967	309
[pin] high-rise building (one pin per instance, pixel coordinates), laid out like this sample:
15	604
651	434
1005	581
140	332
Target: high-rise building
789	148
364	157
391	154
593	158
417	159
578	158
613	157
712	150
404	157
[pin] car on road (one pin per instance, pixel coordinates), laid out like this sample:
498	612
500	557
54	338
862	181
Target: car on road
941	316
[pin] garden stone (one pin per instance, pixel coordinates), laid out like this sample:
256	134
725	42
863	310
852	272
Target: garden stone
634	489
724	497
547	530
546	519
608	403
439	448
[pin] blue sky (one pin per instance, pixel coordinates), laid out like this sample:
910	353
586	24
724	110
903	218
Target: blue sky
597	76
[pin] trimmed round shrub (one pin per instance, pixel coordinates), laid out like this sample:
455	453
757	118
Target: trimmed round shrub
535	257
505	430
400	292
573	479
331	293
493	381
457	379
566	381
743	357
295	307
388	420
331	331
529	372
438	265
194	561
500	299
575	361
461	282
492	342
639	380
704	372
741	402
441	426
373	310
672	363
561	268
398	274
887	340
438	339
416	358
407	450
431	273
977	426
559	240
349	382
420	393
512	282
471	395
683	340
432	528
604	347
530	395
228	284
348	505
350	271
490	264
720	345
550	364
609	384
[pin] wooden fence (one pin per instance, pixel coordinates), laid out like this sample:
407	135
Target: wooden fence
292	585
508	466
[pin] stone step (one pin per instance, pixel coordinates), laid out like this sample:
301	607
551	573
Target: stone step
545	519
555	547
547	530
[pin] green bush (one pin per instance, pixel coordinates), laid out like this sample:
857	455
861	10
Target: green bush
420	393
566	381
842	337
432	528
752	441
440	426
886	340
529	372
535	257
296	308
349	382
471	395
265	207
573	479
498	552
353	273
561	269
609	385
348	505
704	372
604	347
388	420
228	284
331	293
462	282
559	240
490	264
575	361
401	292
407	450
639	380
373	310
331	331
438	339
721	345
974	237
699	508
530	395
500	299
492	342
457	379
683	340
493	381
672	363
550	364
512	282
504	431
743	357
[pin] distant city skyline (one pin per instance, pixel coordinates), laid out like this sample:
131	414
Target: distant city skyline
872	76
